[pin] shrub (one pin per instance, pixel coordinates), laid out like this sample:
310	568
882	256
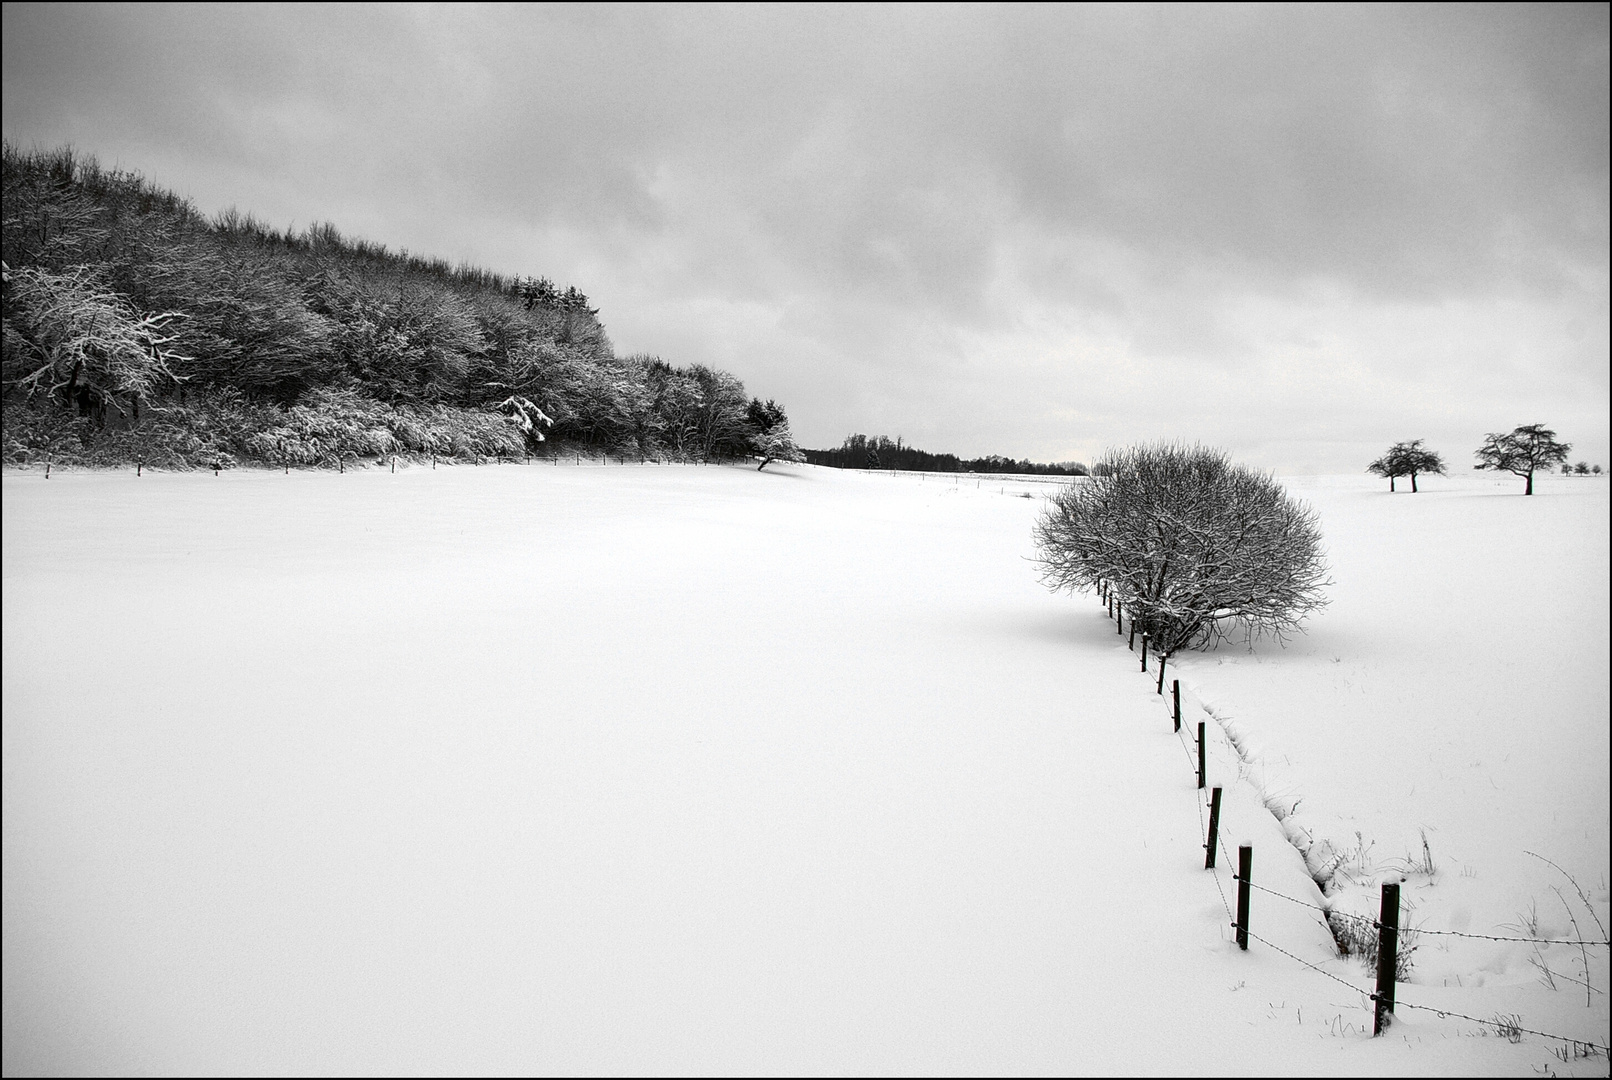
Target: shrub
1192	544
1357	936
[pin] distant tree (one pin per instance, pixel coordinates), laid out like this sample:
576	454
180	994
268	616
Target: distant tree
1407	459
1385	466
1521	452
1192	544
873	457
1596	469
1582	468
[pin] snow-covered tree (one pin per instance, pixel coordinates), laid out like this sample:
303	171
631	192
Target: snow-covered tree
771	440
526	416
1522	452
1193	545
71	337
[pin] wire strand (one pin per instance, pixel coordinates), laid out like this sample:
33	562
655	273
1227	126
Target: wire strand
1498	1025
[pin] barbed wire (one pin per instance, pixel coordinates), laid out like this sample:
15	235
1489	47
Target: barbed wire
1306	963
1330	913
1499	1025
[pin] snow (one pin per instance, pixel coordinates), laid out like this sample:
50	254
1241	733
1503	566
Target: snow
677	769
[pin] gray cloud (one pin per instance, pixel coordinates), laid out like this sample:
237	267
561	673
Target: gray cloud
1034	230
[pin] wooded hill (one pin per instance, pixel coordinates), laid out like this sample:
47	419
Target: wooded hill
137	329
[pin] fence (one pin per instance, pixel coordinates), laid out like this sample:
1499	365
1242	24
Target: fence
1384	997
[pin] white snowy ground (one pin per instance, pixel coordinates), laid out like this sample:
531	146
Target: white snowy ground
1455	690
670	769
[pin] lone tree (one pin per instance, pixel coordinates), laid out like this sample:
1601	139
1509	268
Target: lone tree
1407	459
1193	545
770	439
1524	450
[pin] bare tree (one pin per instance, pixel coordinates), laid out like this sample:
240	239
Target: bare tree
1407	459
1193	545
1522	452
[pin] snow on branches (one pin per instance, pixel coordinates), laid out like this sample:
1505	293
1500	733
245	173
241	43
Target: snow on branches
1193	545
77	339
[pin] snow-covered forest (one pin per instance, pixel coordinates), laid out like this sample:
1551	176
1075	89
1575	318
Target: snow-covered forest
137	330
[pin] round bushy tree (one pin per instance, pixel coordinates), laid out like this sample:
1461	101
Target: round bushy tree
1194	546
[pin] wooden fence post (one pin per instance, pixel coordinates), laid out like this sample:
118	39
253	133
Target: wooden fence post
1119	611
1245	872
1201	769
1144	651
1387	957
1175	689
1214	830
1132	642
1160	690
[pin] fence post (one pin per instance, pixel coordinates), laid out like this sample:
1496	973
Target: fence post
1144	651
1119	609
1214	829
1387	957
1245	871
1200	755
1175	689
1132	643
1160	690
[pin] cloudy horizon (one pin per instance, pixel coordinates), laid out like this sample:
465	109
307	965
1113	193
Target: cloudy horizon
1298	233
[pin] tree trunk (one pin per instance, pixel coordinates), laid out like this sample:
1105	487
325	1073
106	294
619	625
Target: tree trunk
1413	483
1529	490
1390	483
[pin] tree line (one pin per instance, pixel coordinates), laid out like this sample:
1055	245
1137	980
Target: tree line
881	452
137	328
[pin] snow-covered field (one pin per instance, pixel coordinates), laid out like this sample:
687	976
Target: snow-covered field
674	769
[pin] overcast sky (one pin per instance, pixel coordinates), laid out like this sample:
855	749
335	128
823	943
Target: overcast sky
1299	233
